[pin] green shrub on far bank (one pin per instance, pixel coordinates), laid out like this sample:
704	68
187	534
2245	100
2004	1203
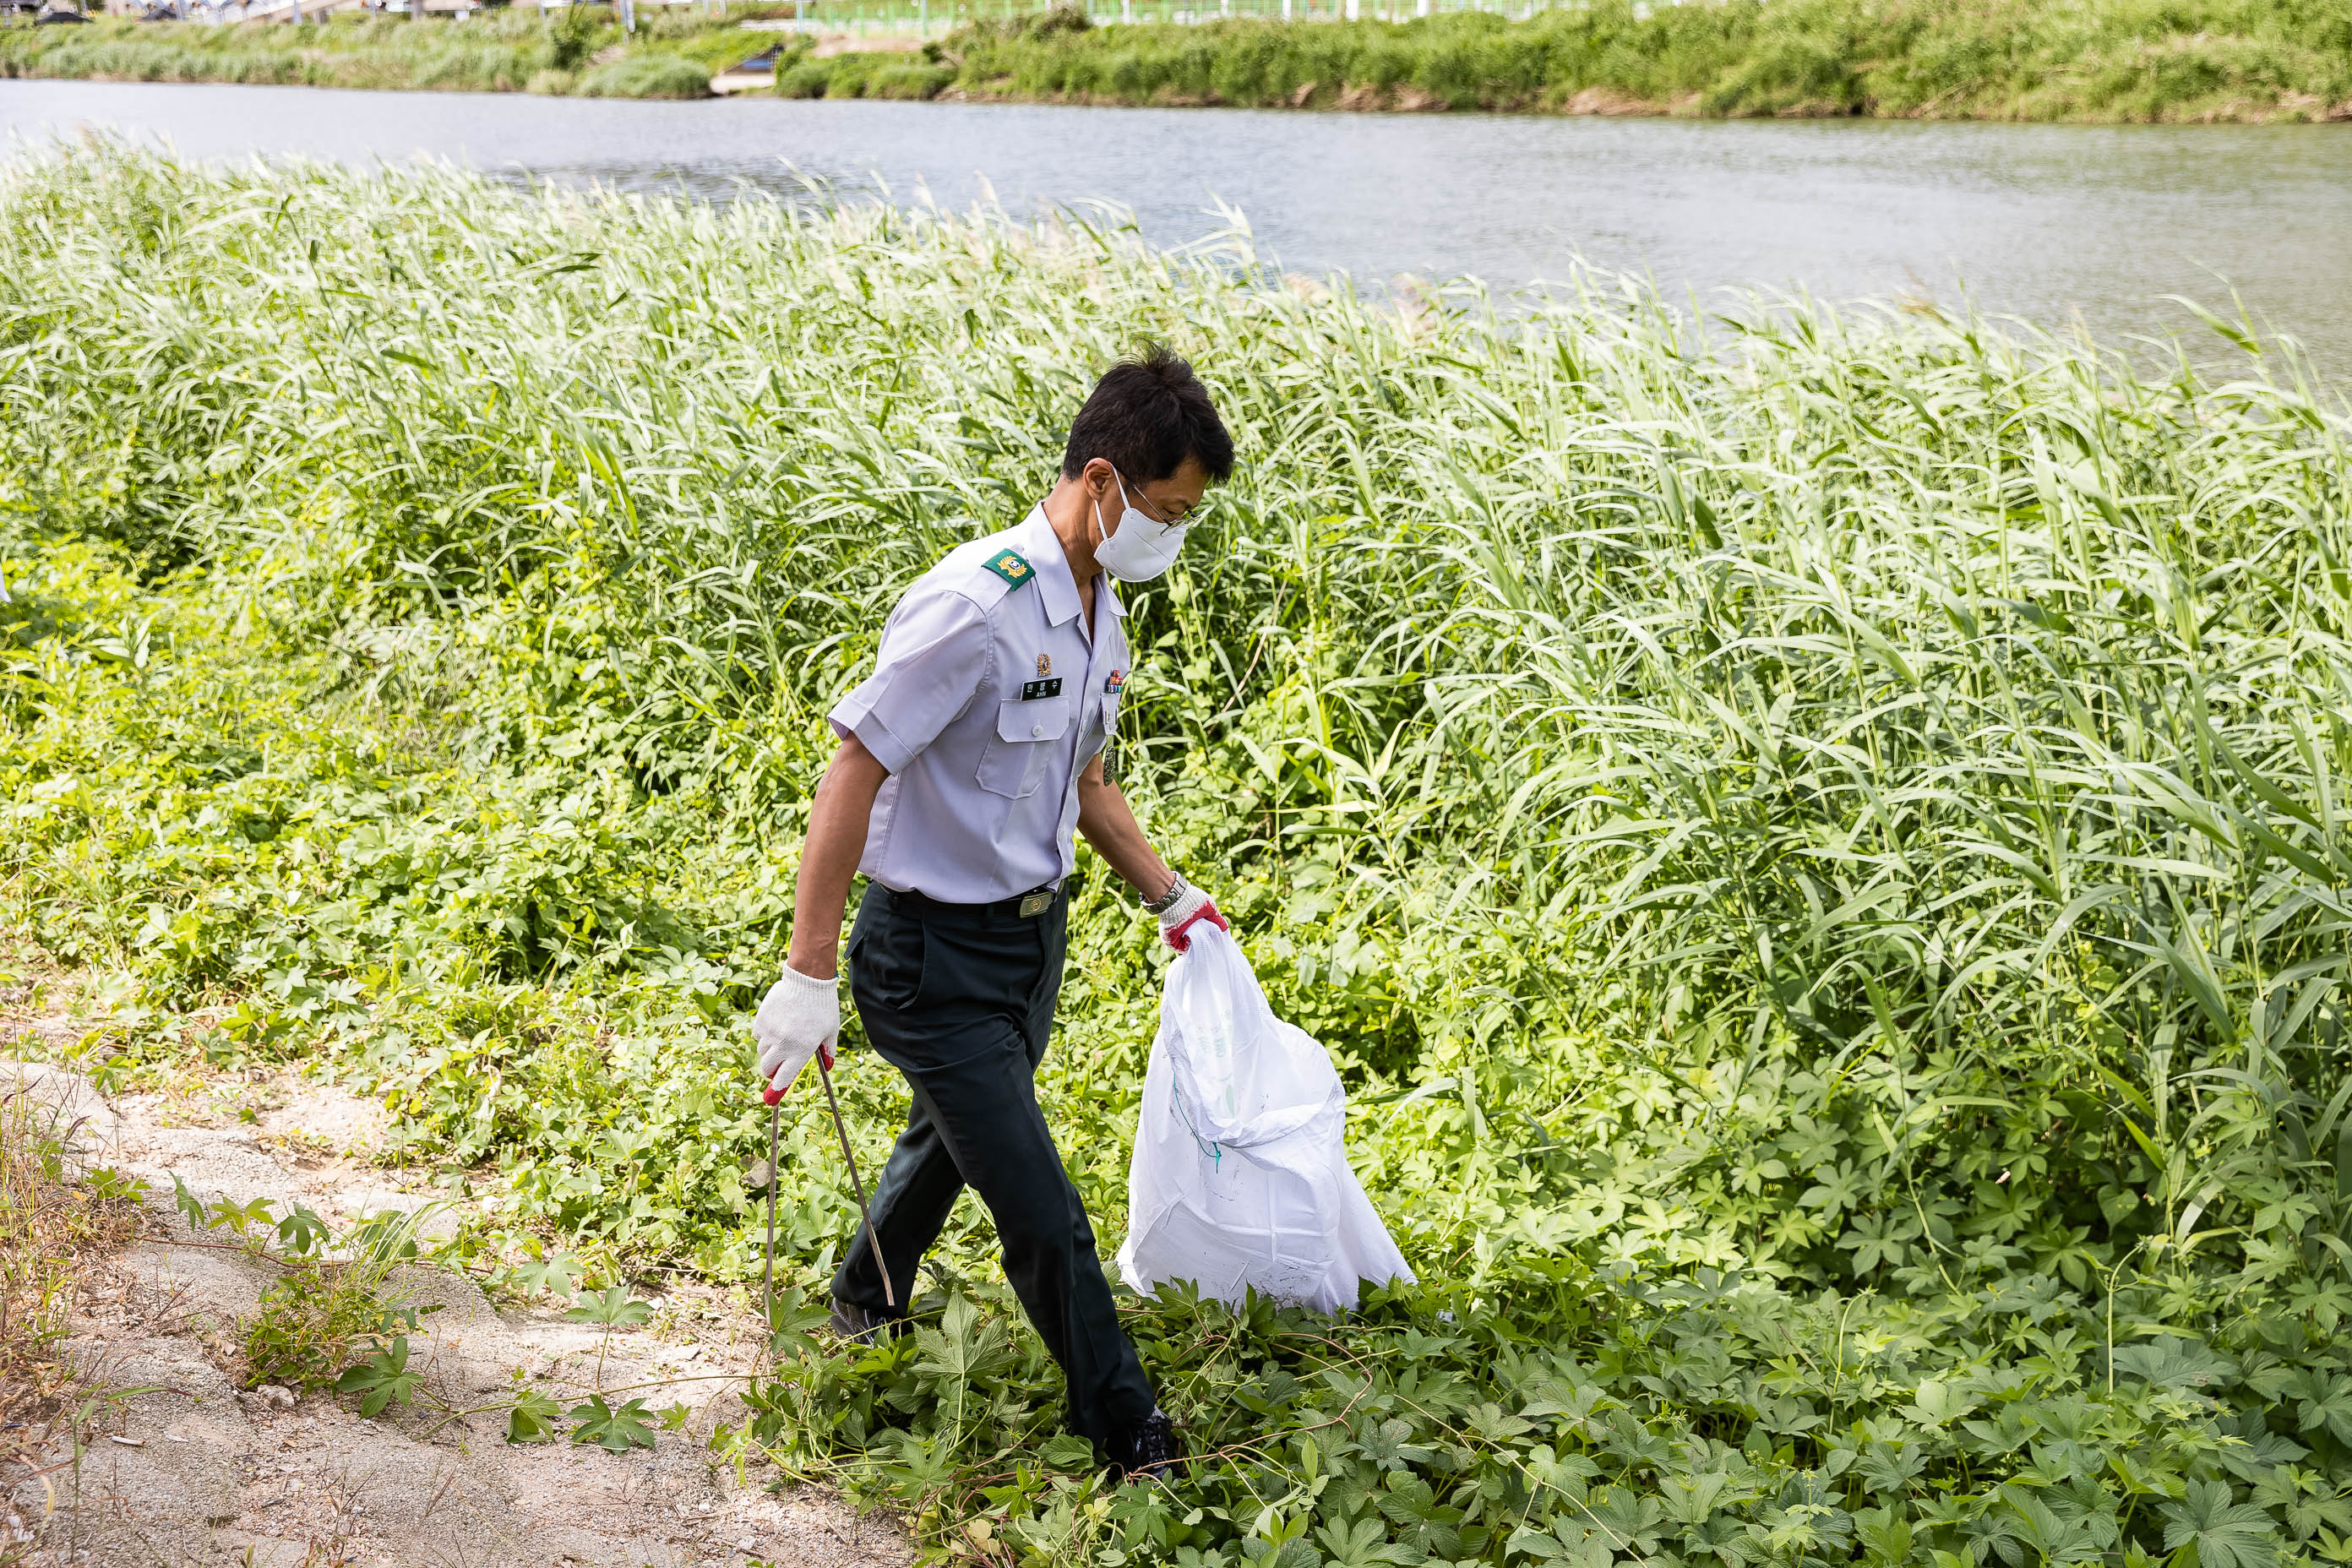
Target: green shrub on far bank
646	76
866	76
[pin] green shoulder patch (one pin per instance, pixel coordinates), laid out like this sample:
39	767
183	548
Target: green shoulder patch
1009	565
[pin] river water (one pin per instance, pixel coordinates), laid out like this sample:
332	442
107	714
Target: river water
2058	225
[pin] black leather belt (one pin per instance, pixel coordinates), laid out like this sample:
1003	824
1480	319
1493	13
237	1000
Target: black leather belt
1021	906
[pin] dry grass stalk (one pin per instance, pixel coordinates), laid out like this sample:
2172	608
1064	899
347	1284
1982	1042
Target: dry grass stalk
56	1233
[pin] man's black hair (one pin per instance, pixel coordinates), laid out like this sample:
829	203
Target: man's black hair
1145	417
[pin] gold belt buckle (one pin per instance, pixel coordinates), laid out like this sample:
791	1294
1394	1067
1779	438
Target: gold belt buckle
1034	903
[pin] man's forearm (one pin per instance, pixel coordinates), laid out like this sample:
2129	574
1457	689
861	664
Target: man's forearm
836	837
1109	824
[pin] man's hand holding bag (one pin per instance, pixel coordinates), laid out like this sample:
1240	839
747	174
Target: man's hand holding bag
1191	908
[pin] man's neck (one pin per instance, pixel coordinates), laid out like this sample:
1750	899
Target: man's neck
1069	511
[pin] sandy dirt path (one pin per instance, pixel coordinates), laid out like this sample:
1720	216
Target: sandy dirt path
198	1471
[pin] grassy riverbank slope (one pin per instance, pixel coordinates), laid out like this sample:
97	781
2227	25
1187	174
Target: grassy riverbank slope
2002	60
2093	60
1822	859
577	50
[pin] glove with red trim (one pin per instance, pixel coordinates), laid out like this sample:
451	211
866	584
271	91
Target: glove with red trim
799	1018
1192	907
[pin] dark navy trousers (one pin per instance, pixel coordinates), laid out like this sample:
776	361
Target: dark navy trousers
959	998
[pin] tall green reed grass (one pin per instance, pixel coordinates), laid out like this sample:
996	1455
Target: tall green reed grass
1819	850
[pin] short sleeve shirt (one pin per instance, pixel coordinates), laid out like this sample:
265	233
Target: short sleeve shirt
988	700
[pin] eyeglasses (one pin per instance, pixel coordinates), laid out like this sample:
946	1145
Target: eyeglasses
1155	511
1185	518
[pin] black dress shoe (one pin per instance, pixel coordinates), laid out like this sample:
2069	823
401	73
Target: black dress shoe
861	1326
1149	1447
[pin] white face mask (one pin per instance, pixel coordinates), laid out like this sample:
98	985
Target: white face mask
1142	548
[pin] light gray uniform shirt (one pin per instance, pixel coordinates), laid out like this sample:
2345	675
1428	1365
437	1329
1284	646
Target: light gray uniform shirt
987	701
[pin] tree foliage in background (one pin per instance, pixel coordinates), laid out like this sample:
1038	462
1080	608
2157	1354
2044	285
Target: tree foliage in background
1819	854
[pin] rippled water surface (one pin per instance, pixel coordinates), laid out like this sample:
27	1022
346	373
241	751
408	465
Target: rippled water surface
2058	224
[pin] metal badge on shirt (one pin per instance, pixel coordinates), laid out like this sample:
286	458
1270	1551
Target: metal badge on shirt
1031	691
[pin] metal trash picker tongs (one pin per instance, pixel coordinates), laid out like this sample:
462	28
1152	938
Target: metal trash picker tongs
775	1099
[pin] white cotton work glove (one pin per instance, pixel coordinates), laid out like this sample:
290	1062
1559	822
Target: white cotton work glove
1192	905
800	1017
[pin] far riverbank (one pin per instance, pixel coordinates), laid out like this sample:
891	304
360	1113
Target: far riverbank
2103	61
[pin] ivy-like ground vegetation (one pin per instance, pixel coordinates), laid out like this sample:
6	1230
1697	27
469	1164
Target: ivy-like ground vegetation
1820	850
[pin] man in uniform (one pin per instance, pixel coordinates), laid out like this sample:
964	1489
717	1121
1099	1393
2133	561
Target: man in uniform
966	760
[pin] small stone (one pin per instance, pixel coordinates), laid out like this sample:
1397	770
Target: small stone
748	1542
275	1395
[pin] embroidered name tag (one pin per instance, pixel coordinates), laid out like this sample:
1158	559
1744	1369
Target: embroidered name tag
1032	690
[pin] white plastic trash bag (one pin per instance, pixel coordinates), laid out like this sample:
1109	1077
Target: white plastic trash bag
1240	1178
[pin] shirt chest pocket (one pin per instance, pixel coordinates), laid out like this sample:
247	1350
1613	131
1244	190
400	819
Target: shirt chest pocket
1014	761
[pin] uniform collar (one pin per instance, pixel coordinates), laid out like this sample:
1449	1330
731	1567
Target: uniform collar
1053	578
